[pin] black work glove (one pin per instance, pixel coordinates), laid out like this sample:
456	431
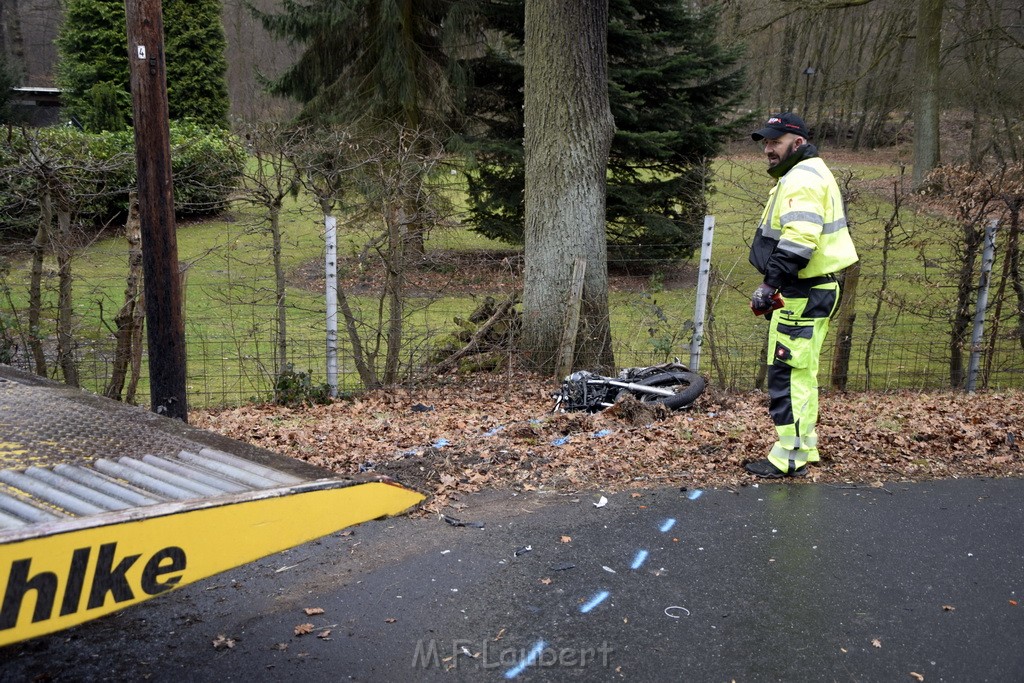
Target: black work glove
763	300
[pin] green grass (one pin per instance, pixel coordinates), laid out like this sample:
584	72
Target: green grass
230	313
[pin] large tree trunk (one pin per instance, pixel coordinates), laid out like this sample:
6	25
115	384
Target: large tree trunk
569	130
926	88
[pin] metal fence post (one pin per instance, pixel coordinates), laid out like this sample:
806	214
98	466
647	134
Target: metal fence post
703	284
331	279
988	257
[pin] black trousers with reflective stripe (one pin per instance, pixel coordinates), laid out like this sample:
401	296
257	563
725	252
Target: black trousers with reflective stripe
796	334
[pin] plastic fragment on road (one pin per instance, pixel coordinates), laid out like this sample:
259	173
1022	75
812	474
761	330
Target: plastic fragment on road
608	569
598	598
667	525
440	443
560	441
494	430
523	550
695	494
601	502
603	432
669	610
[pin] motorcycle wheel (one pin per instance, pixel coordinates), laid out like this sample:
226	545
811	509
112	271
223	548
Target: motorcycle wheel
688	386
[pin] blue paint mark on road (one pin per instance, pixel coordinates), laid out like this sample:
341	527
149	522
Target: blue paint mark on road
530	658
694	494
641	557
594	601
667	524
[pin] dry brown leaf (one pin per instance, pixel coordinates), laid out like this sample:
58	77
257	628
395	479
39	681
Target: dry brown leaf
222	642
876	643
390	620
948	608
325	634
310	611
546	581
917	675
303	629
905	436
566	539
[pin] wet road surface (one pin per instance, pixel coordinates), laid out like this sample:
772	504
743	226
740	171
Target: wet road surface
777	582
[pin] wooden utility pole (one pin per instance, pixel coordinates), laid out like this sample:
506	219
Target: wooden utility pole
165	326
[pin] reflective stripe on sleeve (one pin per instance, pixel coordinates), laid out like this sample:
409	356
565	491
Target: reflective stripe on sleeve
804	216
798	249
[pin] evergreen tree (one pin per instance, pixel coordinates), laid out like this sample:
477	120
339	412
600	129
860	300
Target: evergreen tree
93	67
196	66
671	88
371	61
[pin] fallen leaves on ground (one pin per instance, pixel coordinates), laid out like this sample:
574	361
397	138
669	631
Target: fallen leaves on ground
499	431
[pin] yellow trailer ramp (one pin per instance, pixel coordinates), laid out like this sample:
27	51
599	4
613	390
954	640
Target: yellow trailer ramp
103	505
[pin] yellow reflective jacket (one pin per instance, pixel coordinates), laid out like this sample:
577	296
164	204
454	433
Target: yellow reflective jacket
803	231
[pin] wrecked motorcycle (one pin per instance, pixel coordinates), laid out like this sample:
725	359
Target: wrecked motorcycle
671	384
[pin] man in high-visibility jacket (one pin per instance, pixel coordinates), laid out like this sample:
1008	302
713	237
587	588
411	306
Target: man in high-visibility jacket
801	242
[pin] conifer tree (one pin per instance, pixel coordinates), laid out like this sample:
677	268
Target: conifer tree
93	67
371	61
672	90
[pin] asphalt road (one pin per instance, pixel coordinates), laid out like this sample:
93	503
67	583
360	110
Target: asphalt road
779	582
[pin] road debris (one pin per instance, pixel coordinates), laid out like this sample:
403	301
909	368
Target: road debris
458	522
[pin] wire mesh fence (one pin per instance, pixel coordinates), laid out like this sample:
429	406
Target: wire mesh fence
236	371
910	310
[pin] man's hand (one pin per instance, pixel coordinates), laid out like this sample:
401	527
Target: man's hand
765	299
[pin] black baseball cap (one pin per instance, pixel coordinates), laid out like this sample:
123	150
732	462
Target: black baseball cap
780	124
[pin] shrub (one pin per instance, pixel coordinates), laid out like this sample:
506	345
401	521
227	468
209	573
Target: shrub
206	164
94	70
295	388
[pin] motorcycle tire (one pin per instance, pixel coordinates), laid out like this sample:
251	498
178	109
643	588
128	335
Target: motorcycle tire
688	386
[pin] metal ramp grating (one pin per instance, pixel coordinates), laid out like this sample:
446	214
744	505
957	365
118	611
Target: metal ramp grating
36	495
